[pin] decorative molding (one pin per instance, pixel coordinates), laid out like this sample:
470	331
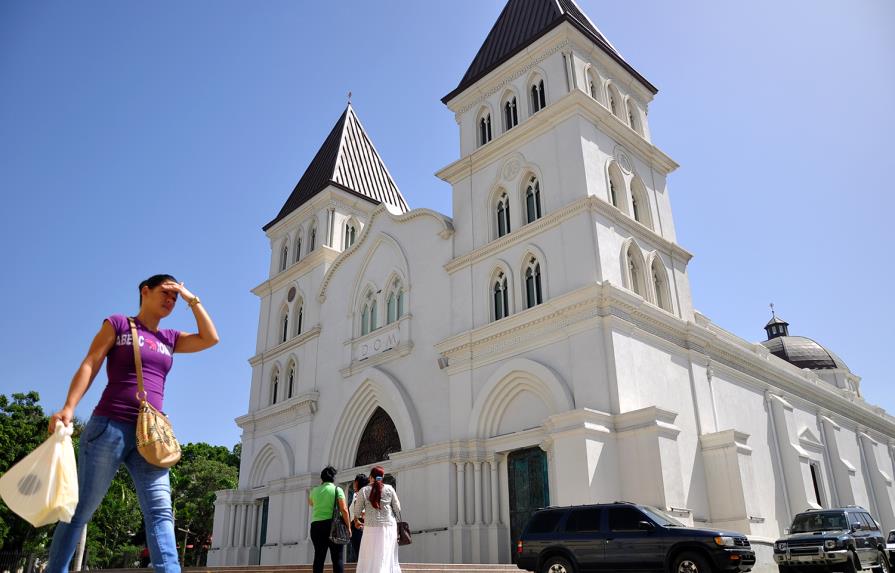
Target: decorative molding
282	347
292	410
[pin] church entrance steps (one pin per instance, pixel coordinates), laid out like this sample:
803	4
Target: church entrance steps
349	568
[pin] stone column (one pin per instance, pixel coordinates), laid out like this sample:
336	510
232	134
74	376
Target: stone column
495	489
477	491
231	520
461	493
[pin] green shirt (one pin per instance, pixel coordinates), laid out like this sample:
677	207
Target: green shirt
323	498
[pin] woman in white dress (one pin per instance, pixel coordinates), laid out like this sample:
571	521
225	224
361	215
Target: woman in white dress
378	503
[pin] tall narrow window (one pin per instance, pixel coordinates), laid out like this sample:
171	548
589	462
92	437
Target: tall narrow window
274	388
312	237
616	187
592	84
815	479
503	215
291	382
510	114
635	270
373	320
615	100
395	304
533	292
284	257
538	97
631	121
640	203
485	129
299	316
501	297
284	326
533	200
350	235
660	285
365	320
297	249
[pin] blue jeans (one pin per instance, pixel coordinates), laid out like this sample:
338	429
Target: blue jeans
105	445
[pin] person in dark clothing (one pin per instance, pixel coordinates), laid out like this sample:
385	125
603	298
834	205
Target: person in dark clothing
323	500
357	525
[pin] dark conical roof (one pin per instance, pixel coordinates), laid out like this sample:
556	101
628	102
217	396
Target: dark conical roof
522	22
347	160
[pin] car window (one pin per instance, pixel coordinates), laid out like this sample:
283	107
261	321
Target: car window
891	538
544	521
625	519
868	522
584	519
819	521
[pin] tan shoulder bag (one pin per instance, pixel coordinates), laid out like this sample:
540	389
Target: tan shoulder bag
155	436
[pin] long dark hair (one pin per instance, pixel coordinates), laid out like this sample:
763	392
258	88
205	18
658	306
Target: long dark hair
376	475
153	282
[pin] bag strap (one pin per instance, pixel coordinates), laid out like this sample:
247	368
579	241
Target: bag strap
138	361
335	500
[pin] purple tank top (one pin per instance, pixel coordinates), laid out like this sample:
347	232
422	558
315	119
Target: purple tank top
119	400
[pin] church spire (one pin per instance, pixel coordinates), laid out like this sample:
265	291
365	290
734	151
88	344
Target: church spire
520	24
776	327
348	161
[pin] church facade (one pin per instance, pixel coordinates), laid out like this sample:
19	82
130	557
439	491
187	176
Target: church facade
540	347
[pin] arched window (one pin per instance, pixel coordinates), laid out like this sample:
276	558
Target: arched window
660	284
368	321
634	270
510	113
532	200
379	439
538	97
312	237
484	128
593	84
640	203
533	291
502	212
615	99
500	296
634	116
284	256
297	249
395	304
299	315
290	381
275	387
349	235
284	325
617	188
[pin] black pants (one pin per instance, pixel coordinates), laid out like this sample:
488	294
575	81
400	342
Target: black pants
356	535
320	539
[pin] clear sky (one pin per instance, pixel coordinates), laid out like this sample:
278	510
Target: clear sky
138	138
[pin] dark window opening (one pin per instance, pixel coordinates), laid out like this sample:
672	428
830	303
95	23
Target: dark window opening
380	438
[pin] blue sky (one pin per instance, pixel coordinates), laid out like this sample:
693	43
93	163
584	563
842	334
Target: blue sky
138	138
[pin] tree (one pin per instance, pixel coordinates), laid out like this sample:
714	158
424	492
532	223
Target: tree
202	471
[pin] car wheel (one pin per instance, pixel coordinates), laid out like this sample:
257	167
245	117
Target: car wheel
557	565
691	563
882	563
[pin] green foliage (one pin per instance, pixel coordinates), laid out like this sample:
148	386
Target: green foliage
111	532
202	471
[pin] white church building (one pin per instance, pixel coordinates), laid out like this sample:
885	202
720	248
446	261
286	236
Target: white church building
540	347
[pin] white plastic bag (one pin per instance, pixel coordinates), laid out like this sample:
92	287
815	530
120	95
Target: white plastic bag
43	487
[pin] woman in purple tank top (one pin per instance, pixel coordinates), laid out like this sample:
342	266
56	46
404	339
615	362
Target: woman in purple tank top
109	438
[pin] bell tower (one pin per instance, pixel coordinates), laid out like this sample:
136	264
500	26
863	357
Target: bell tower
557	171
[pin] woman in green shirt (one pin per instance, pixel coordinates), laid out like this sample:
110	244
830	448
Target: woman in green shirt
322	500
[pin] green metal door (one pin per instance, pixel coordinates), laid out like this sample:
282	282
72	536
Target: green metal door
529	488
265	506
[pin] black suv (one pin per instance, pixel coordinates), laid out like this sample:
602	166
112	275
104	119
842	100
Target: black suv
621	535
844	539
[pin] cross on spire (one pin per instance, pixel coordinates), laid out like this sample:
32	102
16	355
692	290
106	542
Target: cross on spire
772	310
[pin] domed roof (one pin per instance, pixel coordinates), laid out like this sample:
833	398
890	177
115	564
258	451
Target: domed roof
803	352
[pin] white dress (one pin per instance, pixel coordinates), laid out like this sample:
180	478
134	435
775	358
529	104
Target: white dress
379	545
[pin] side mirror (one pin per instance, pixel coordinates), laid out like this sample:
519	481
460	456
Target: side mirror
786	531
645	526
856	526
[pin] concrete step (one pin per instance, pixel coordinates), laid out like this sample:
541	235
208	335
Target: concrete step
349	568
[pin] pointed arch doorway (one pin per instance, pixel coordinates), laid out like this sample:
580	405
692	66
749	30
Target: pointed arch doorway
529	488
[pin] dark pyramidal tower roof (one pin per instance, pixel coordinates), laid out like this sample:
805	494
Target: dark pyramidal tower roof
346	160
522	22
